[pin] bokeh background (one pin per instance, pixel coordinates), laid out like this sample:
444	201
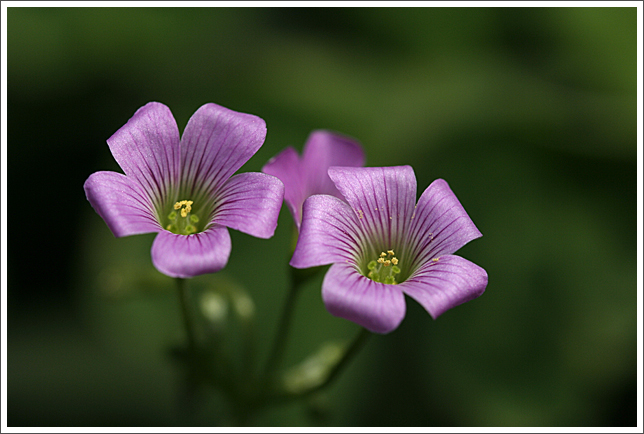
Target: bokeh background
529	114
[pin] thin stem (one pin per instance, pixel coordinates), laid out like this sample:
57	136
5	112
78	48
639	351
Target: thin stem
184	300
281	337
189	391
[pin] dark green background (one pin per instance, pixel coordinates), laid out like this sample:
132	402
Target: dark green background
529	114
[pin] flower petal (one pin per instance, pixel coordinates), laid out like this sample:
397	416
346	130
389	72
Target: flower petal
444	284
330	233
147	149
123	205
324	149
191	255
215	144
377	307
440	226
286	167
308	176
383	198
250	202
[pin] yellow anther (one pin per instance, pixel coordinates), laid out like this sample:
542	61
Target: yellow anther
381	261
387	263
185	205
383	254
391	252
394	261
435	259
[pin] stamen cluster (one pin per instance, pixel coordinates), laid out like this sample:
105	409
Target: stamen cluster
384	269
185	224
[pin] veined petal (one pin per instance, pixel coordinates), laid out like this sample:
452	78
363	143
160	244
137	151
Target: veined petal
286	167
330	233
123	205
324	149
250	202
377	307
383	198
147	149
191	255
215	144
440	225
306	176
444	284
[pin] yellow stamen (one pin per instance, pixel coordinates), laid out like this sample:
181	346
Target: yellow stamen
391	252
387	263
394	261
381	261
185	205
186	224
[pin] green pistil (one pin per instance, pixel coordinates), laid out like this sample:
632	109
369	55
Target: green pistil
385	269
180	221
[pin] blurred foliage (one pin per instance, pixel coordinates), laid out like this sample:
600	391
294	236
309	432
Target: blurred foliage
528	113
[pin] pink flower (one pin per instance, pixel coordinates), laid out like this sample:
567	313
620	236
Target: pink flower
383	244
184	189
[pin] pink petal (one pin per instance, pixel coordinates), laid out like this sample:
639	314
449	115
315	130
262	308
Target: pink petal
191	255
215	144
308	176
382	197
126	209
440	225
330	233
286	167
324	149
147	149
444	284
347	294
250	202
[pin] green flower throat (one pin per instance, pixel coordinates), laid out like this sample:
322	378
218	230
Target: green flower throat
181	221
384	269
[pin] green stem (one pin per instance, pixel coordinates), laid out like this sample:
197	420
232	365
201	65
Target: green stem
189	390
184	300
281	337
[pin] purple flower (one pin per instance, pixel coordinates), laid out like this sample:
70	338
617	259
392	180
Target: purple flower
383	245
184	189
308	175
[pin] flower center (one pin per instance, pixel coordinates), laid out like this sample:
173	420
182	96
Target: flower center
384	269
180	220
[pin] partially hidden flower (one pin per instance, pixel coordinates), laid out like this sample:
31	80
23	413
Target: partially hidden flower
383	244
305	176
184	188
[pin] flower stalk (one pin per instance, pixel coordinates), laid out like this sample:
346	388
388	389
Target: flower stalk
188	321
281	336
